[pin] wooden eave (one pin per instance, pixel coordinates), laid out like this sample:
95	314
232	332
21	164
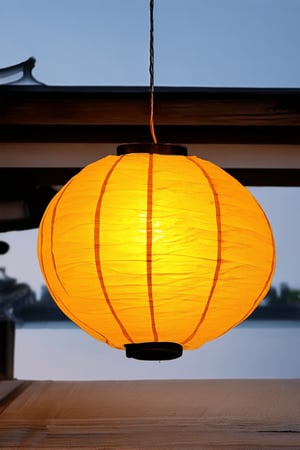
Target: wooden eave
121	114
106	115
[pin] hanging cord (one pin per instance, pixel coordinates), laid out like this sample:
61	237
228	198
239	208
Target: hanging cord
151	71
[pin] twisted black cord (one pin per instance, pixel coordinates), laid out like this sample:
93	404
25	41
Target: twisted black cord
151	71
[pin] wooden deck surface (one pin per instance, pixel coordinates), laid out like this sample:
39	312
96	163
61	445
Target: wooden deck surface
185	414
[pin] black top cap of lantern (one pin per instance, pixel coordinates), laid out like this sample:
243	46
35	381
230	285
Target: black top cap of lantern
161	149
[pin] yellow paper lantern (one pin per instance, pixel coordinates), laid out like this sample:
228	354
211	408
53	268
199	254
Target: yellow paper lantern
156	250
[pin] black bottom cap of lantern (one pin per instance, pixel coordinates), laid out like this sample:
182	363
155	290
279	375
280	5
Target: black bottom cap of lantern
154	351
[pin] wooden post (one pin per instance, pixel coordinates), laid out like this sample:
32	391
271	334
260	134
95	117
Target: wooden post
7	349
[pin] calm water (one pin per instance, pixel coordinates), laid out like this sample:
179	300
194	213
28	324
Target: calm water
255	349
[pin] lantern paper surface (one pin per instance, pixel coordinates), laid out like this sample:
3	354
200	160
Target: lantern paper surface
142	248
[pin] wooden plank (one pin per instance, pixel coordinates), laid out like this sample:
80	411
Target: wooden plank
187	134
121	114
7	387
72	155
185	414
40	105
34	114
9	390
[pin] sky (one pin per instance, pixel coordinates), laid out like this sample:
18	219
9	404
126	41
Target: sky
197	42
237	43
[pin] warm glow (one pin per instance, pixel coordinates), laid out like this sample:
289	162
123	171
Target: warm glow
140	248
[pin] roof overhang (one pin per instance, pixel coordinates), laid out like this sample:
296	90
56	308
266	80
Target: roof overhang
47	134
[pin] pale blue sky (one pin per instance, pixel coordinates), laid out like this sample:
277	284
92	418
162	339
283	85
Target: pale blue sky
199	43
250	43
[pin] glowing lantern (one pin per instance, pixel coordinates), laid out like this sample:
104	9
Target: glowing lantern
157	252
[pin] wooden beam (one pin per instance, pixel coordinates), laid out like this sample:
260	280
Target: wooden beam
187	134
29	115
42	105
79	154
